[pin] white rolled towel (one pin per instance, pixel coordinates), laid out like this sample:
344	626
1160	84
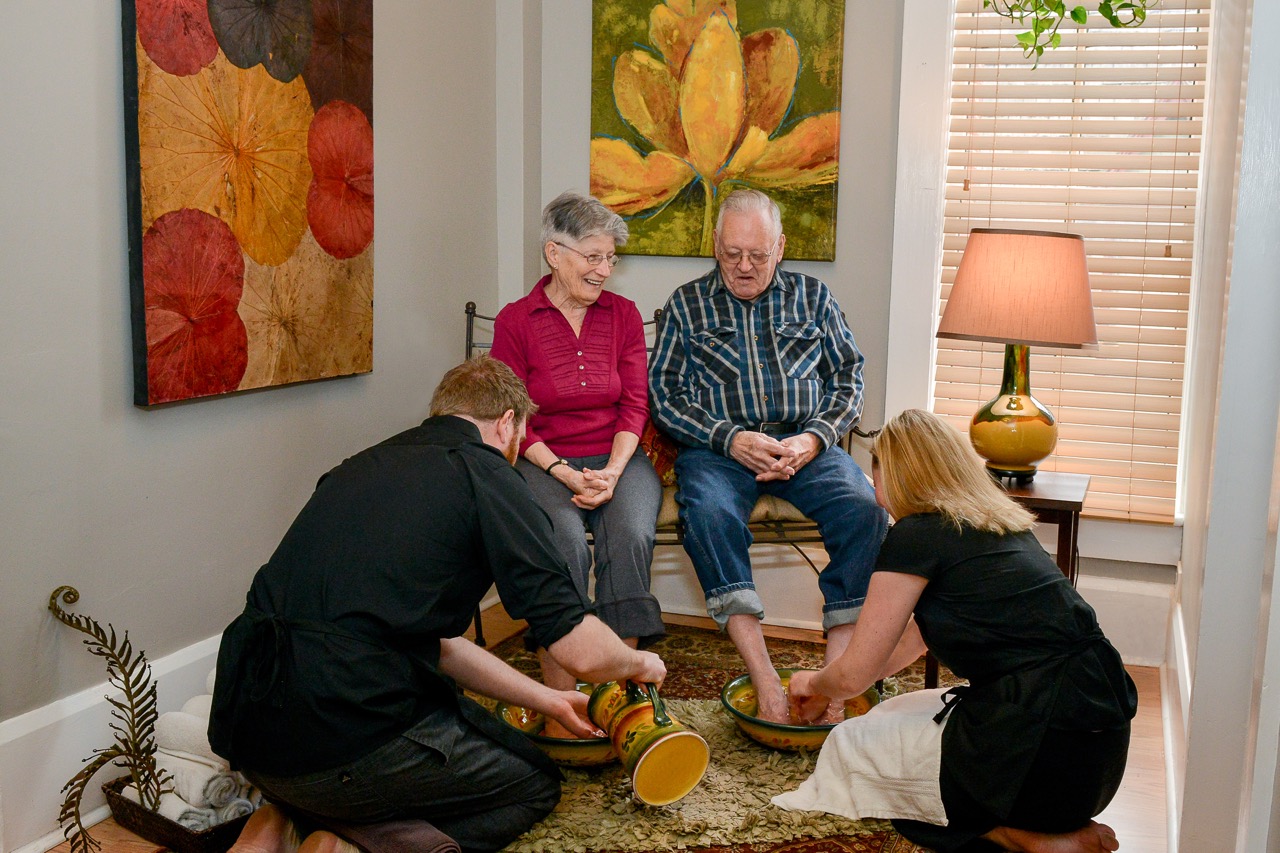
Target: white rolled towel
191	779
174	808
198	820
237	807
199	706
221	789
180	732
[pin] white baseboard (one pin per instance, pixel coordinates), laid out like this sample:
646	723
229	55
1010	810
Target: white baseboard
1175	689
41	749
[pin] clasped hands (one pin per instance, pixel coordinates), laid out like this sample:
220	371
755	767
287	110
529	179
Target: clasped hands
591	488
771	458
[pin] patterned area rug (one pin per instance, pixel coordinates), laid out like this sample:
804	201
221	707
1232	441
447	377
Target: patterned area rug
729	812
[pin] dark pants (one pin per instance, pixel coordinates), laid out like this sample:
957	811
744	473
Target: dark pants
1072	779
443	770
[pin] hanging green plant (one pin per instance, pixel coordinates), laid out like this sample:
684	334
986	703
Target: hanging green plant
1045	16
133	729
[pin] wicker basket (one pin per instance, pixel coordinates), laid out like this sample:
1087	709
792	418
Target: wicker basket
160	830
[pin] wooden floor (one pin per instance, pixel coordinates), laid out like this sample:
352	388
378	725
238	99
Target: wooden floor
1137	813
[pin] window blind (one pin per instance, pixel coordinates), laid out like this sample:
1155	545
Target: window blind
1102	140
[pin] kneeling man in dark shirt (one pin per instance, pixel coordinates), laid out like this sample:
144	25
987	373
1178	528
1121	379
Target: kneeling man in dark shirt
338	689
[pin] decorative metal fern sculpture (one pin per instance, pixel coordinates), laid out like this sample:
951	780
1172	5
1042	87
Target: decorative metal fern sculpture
133	728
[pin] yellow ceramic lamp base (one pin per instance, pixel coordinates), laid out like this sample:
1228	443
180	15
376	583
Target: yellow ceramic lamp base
1014	432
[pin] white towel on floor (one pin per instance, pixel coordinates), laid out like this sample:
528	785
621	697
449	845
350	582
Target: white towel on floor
191	779
883	764
199	706
220	789
175	808
180	732
236	807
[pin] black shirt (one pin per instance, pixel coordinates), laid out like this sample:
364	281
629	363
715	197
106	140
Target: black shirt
337	650
998	612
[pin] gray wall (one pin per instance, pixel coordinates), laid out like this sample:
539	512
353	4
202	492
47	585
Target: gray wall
161	517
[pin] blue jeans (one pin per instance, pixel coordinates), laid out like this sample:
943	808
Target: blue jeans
716	495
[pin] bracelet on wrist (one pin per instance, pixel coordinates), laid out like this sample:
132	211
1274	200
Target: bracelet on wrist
554	464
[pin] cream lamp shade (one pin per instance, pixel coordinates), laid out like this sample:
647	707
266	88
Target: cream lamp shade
1019	288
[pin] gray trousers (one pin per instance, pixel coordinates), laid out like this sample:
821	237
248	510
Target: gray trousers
623	533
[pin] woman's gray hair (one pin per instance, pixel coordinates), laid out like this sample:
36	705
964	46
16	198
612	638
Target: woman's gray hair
572	216
749	201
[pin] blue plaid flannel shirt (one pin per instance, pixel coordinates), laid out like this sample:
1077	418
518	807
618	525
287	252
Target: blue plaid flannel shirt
721	365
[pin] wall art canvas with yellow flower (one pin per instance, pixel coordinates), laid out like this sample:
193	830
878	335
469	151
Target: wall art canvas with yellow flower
249	149
691	99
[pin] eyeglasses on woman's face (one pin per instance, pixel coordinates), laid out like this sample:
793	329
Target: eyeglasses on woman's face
594	259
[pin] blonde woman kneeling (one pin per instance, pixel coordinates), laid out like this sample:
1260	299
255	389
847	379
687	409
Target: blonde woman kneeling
1026	755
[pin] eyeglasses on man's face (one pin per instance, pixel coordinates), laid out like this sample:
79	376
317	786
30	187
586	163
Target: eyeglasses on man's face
757	257
594	259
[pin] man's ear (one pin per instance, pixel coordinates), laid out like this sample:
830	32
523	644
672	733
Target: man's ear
505	425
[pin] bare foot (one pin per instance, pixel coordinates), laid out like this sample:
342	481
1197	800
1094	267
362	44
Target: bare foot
553	728
323	841
834	714
1093	838
268	830
771	703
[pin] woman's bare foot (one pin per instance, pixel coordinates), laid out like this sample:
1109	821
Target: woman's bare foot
553	728
323	841
268	830
1093	838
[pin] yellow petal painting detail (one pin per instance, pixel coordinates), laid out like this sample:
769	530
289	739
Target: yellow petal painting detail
694	98
231	142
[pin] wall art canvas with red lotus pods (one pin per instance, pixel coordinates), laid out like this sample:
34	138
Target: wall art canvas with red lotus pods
249	149
691	99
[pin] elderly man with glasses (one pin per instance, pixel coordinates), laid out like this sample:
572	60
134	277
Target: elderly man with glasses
757	376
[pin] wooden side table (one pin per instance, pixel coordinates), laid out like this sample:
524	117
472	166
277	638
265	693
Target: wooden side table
1055	498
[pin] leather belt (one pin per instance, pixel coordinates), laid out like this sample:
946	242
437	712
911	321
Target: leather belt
776	428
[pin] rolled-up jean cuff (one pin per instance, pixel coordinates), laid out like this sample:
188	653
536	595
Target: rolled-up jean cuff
734	601
841	614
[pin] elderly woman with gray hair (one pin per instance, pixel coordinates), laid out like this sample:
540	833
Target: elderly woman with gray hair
581	352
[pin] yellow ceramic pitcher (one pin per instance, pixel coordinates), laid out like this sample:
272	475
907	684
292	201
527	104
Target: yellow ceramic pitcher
665	758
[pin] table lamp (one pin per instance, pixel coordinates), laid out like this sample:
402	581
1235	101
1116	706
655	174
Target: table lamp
1019	288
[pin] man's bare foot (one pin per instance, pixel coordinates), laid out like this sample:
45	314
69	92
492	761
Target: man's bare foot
268	830
834	714
771	703
1093	838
